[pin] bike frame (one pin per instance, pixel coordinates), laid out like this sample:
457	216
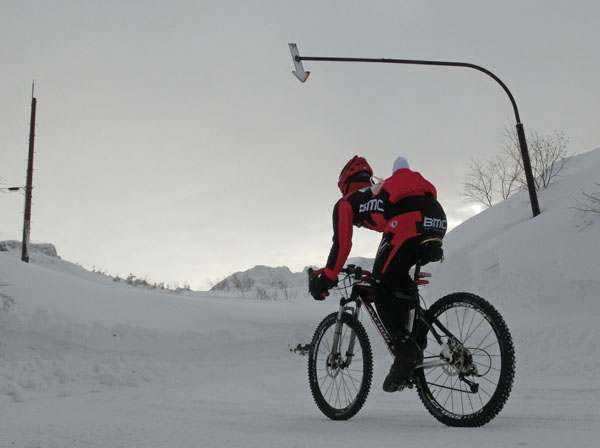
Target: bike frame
360	297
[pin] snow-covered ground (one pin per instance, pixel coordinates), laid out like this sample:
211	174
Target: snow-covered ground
89	362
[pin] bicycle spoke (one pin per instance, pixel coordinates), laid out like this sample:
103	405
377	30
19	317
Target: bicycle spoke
445	385
474	330
473	315
337	373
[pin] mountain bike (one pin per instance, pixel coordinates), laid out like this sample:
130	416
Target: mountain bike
467	369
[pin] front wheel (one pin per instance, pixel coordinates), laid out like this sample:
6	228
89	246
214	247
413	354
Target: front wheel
340	377
470	375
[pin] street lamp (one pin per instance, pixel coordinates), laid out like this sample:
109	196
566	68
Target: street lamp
302	75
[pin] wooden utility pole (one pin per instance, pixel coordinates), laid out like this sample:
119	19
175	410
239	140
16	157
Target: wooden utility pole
29	186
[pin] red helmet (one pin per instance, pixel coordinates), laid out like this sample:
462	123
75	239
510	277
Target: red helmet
357	170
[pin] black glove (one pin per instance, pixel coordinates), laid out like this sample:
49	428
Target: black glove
319	285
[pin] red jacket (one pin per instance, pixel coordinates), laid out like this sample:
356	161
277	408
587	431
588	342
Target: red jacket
363	208
405	183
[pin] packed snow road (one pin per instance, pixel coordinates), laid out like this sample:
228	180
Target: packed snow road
257	403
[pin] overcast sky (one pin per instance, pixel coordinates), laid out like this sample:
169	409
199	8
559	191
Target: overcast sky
173	142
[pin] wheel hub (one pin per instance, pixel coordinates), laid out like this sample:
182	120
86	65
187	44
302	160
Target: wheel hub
334	364
460	359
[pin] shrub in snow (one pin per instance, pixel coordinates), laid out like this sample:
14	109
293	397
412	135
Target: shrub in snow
589	203
8	302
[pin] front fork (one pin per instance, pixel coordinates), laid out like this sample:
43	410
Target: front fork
336	355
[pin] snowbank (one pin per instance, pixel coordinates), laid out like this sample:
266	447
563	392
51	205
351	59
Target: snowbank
541	273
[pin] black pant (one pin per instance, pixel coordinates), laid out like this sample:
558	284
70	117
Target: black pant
397	253
391	309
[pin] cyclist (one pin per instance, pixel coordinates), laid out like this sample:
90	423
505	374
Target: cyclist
406	210
412	214
356	207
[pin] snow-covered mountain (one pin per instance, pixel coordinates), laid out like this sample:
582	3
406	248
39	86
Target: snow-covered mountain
272	279
87	361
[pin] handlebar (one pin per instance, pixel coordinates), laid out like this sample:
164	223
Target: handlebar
355	271
351	270
357	276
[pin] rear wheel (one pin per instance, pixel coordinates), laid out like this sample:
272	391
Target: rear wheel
340	379
473	386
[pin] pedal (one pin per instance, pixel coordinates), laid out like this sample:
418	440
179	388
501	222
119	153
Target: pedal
405	386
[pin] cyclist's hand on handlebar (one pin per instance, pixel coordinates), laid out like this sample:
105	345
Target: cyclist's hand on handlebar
319	284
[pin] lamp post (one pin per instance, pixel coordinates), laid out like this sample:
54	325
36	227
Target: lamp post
302	75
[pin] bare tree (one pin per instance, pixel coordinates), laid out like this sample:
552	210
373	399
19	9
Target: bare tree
282	283
508	175
242	283
547	153
216	285
262	294
504	175
479	183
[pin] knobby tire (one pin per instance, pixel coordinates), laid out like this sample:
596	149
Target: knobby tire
479	326
340	392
